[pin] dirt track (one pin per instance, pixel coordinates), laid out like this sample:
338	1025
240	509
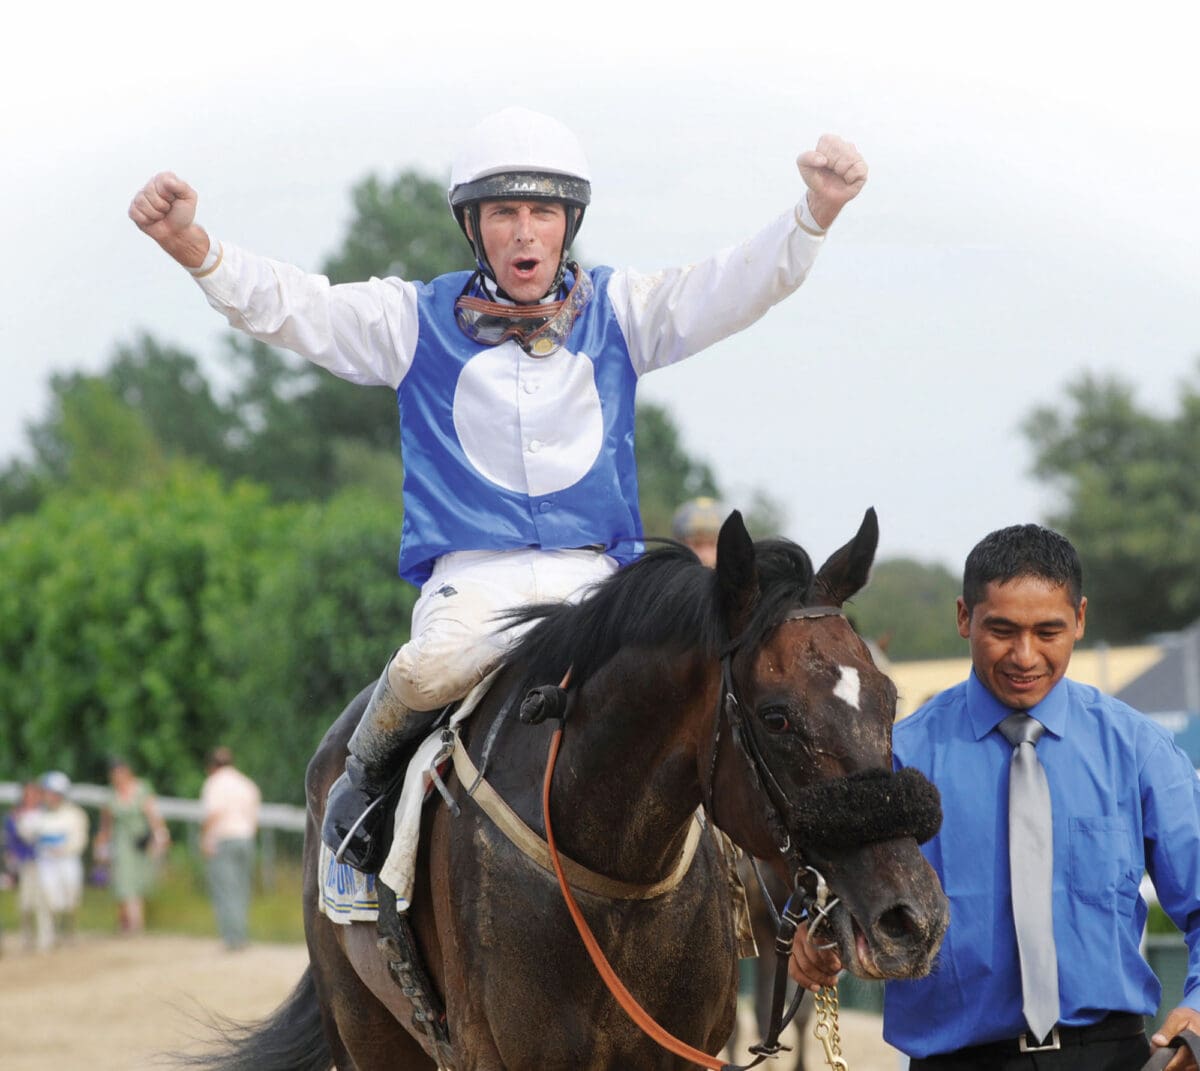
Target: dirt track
112	1005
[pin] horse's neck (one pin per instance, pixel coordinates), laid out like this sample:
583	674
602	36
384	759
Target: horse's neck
626	784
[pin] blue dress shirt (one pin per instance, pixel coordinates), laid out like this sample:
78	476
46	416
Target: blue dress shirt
1125	800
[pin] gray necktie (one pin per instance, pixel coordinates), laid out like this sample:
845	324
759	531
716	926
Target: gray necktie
1031	866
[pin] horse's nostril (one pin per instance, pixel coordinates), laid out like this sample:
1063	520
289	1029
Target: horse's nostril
897	923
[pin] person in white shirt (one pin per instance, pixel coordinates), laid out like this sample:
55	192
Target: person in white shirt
20	858
60	839
230	803
515	384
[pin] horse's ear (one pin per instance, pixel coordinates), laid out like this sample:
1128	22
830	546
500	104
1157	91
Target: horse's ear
737	573
847	569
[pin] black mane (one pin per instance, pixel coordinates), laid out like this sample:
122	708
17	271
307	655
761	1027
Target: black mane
664	599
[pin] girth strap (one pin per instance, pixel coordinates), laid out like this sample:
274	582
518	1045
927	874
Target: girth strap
534	847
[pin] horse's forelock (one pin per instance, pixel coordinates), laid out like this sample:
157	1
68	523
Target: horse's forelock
785	581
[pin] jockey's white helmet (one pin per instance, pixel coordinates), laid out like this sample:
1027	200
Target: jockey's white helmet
519	154
514	143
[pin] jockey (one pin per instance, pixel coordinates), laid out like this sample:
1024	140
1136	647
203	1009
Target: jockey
515	384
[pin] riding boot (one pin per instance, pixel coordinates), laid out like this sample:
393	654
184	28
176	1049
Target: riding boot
353	833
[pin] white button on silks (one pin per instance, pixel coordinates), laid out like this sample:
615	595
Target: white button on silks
534	445
529	387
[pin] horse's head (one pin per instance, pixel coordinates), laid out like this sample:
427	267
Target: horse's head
802	768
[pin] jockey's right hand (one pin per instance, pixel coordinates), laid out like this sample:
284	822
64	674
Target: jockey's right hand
165	209
812	967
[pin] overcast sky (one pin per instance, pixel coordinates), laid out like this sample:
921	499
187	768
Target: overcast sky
1031	209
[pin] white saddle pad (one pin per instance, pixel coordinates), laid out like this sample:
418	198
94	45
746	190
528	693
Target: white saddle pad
349	896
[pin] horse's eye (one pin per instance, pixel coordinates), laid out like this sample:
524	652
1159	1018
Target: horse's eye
775	719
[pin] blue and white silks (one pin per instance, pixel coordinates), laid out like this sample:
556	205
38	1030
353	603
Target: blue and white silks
549	464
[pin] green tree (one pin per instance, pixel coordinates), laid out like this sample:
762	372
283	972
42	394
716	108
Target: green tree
152	403
1130	501
908	609
158	621
402	228
667	475
106	618
167	387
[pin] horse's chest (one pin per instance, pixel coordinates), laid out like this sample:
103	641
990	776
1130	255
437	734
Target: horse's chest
528	984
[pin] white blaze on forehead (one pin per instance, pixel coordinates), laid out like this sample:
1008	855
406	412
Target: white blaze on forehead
847	687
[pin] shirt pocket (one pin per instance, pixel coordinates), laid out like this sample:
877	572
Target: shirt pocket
1102	870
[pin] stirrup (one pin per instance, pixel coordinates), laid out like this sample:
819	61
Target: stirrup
341	848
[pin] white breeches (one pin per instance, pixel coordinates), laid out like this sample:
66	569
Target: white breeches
457	636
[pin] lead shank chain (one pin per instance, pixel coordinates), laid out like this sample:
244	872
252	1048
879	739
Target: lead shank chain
825	1030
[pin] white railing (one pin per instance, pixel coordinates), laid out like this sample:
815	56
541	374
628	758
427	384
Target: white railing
273	818
282	816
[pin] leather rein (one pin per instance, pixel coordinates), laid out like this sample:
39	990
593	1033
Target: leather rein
815	904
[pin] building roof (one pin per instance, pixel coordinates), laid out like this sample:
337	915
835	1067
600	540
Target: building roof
1172	684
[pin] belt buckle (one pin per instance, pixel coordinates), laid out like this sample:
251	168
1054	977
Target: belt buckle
1052	1045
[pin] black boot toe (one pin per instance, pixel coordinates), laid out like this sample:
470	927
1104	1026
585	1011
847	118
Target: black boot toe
364	850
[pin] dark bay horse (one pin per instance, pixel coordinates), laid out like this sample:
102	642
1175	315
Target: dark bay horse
644	747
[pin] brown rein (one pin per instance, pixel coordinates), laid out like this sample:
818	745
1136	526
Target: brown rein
623	997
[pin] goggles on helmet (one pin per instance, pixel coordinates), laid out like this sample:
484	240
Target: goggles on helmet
539	330
523	186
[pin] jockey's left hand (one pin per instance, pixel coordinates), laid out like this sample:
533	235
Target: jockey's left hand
834	172
1179	1019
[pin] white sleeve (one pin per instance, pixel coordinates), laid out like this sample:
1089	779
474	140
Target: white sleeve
363	332
677	312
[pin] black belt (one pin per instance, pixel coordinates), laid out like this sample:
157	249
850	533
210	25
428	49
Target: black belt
1114	1027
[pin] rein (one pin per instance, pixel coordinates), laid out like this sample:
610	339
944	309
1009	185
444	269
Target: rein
623	997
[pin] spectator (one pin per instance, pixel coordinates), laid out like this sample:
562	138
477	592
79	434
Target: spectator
61	837
20	857
230	802
696	524
133	838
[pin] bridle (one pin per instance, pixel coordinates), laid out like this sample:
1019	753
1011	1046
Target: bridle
763	780
802	903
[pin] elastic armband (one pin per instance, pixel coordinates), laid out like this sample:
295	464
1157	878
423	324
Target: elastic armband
805	220
211	261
